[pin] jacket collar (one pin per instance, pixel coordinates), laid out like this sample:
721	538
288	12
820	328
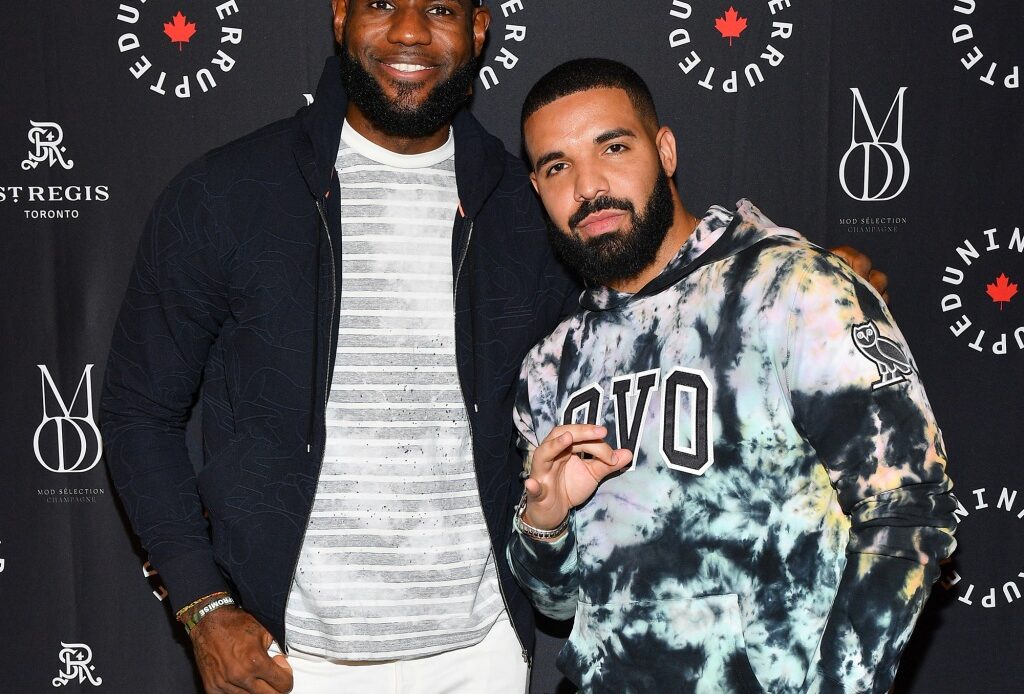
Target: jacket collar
479	156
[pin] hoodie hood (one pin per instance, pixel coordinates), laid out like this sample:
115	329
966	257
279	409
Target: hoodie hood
720	234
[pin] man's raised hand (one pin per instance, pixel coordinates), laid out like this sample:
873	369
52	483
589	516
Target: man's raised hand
560	479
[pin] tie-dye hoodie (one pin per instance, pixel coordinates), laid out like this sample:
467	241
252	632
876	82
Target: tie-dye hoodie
781	525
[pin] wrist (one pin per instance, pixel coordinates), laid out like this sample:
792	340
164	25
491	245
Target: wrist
191	615
543	521
542	530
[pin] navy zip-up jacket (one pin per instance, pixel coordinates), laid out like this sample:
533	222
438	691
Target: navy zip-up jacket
234	298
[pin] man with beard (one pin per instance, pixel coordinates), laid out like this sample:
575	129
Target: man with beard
355	289
734	479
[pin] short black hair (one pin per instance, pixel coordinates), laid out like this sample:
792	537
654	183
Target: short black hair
584	74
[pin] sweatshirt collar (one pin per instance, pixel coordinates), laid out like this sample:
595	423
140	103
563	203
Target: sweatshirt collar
480	158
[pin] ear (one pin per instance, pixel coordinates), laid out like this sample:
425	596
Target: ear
481	20
665	140
533	180
340	9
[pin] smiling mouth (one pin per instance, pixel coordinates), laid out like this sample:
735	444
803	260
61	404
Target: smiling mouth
408	67
403	69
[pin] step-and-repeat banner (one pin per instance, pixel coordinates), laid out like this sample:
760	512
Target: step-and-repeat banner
895	127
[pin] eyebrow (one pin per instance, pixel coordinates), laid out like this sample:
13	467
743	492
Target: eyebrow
613	135
546	159
599	140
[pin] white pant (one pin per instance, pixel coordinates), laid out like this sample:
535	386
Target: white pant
495	666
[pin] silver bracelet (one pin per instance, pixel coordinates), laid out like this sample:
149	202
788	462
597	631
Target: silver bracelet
537	533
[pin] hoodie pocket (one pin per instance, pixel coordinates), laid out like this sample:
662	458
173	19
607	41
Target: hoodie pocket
654	646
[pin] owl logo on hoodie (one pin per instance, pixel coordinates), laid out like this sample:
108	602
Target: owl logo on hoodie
892	364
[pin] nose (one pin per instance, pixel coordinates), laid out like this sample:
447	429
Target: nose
590	183
409	26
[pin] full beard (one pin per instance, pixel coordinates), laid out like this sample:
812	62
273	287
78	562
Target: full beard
620	255
401	118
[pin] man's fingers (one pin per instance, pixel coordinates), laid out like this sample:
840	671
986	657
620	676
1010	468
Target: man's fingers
560	440
270	671
225	688
595	449
599	469
261	687
580	432
533	488
880	281
551	448
860	263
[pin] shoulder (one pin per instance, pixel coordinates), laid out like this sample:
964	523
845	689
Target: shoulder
267	152
262	153
556	347
792	266
516	176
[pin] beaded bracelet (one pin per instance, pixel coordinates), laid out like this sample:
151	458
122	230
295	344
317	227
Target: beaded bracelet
205	610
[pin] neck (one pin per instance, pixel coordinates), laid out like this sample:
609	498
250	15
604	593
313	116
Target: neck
395	143
683	224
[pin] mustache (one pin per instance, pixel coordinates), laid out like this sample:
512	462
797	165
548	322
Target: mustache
589	207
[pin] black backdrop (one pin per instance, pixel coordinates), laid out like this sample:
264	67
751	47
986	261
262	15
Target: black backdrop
892	125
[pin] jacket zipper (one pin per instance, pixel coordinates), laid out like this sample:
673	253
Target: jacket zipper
472	448
327	391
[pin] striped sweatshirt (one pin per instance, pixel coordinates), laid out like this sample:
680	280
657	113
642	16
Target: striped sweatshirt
396	561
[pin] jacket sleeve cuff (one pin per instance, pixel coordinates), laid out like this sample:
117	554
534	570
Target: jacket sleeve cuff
190	576
549	562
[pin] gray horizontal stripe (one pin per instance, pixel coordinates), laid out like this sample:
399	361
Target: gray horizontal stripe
342	389
400	509
400	281
395	406
359	556
441	263
354	168
450	544
397	606
437	615
440	210
393	341
375	173
401	486
441	534
409	361
402	584
357	202
385	302
346	395
362	650
409	460
434	618
381	444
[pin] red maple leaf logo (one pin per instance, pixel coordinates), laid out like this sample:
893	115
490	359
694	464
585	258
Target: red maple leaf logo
179	30
1002	291
731	25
